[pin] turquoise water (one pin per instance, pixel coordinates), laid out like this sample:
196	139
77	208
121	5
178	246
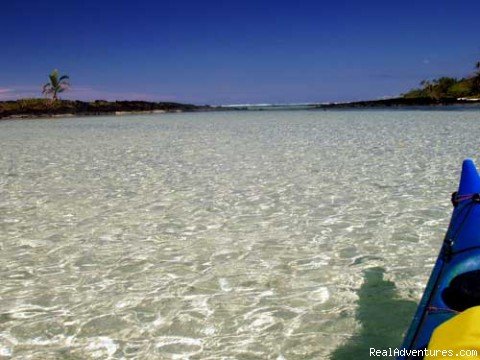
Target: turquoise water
229	235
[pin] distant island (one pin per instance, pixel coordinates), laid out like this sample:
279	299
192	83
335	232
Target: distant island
42	108
28	108
447	88
53	106
444	91
403	102
437	92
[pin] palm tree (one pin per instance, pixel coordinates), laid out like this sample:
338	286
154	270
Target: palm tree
476	78
56	85
428	87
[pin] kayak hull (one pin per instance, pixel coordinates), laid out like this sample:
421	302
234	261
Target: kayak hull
460	254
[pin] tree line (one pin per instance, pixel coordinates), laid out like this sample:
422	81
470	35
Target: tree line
448	87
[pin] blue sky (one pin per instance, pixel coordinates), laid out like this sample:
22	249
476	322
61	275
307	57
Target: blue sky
224	52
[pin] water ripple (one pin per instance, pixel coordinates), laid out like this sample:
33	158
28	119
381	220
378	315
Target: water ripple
217	236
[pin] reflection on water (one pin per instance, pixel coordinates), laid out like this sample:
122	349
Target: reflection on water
221	235
383	317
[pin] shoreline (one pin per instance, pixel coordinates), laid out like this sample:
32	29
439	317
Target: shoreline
44	109
391	103
404	102
69	115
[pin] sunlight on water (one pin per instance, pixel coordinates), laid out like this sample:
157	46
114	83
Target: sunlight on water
235	235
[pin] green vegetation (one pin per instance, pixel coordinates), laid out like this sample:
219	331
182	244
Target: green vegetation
442	91
27	108
447	87
56	85
45	107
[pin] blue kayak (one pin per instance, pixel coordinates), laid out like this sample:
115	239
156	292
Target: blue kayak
454	284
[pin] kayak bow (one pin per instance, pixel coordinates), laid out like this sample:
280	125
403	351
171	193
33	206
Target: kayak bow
457	263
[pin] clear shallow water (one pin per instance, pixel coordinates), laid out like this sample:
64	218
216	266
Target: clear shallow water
236	235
